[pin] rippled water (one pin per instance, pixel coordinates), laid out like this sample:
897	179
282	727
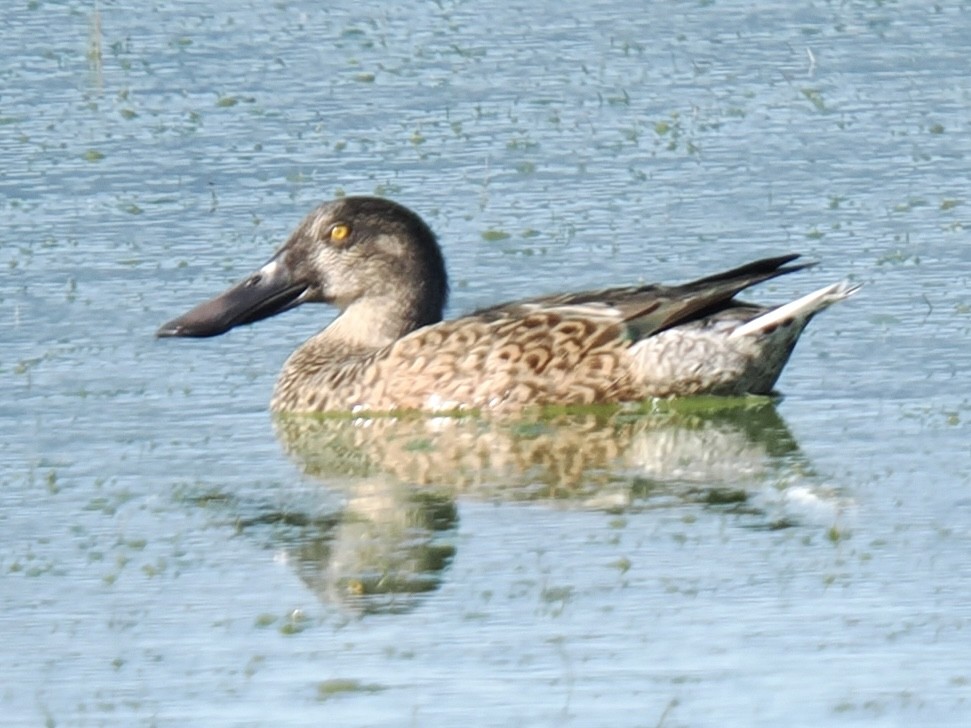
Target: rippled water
172	556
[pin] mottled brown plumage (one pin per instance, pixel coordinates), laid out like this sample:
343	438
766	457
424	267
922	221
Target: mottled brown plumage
390	350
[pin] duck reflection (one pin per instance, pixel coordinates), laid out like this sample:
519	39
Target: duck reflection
401	477
381	551
385	550
573	457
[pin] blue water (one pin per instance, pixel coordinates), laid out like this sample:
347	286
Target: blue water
170	556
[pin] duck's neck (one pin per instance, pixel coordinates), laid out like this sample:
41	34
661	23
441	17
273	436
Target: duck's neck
337	354
313	375
372	325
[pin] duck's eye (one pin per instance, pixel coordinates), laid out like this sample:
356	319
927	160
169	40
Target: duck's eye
339	233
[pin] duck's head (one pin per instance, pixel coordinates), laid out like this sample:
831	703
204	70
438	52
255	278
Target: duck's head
374	259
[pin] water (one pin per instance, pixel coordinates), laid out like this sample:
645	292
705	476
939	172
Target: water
171	556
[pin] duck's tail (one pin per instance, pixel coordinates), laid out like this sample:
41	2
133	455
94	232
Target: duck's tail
800	310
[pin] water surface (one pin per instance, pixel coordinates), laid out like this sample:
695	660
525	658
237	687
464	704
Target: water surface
173	556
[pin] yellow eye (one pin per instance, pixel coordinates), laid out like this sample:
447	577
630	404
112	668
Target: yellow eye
340	232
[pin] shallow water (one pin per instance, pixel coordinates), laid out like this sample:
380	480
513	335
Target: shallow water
172	556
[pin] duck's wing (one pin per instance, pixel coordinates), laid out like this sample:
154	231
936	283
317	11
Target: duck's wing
650	309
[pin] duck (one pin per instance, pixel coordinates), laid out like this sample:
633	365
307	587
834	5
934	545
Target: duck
390	349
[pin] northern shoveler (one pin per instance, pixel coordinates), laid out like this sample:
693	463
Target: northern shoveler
389	348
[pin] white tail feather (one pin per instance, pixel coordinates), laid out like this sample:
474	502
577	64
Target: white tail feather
801	308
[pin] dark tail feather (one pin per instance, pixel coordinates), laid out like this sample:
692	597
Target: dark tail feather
757	271
705	296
